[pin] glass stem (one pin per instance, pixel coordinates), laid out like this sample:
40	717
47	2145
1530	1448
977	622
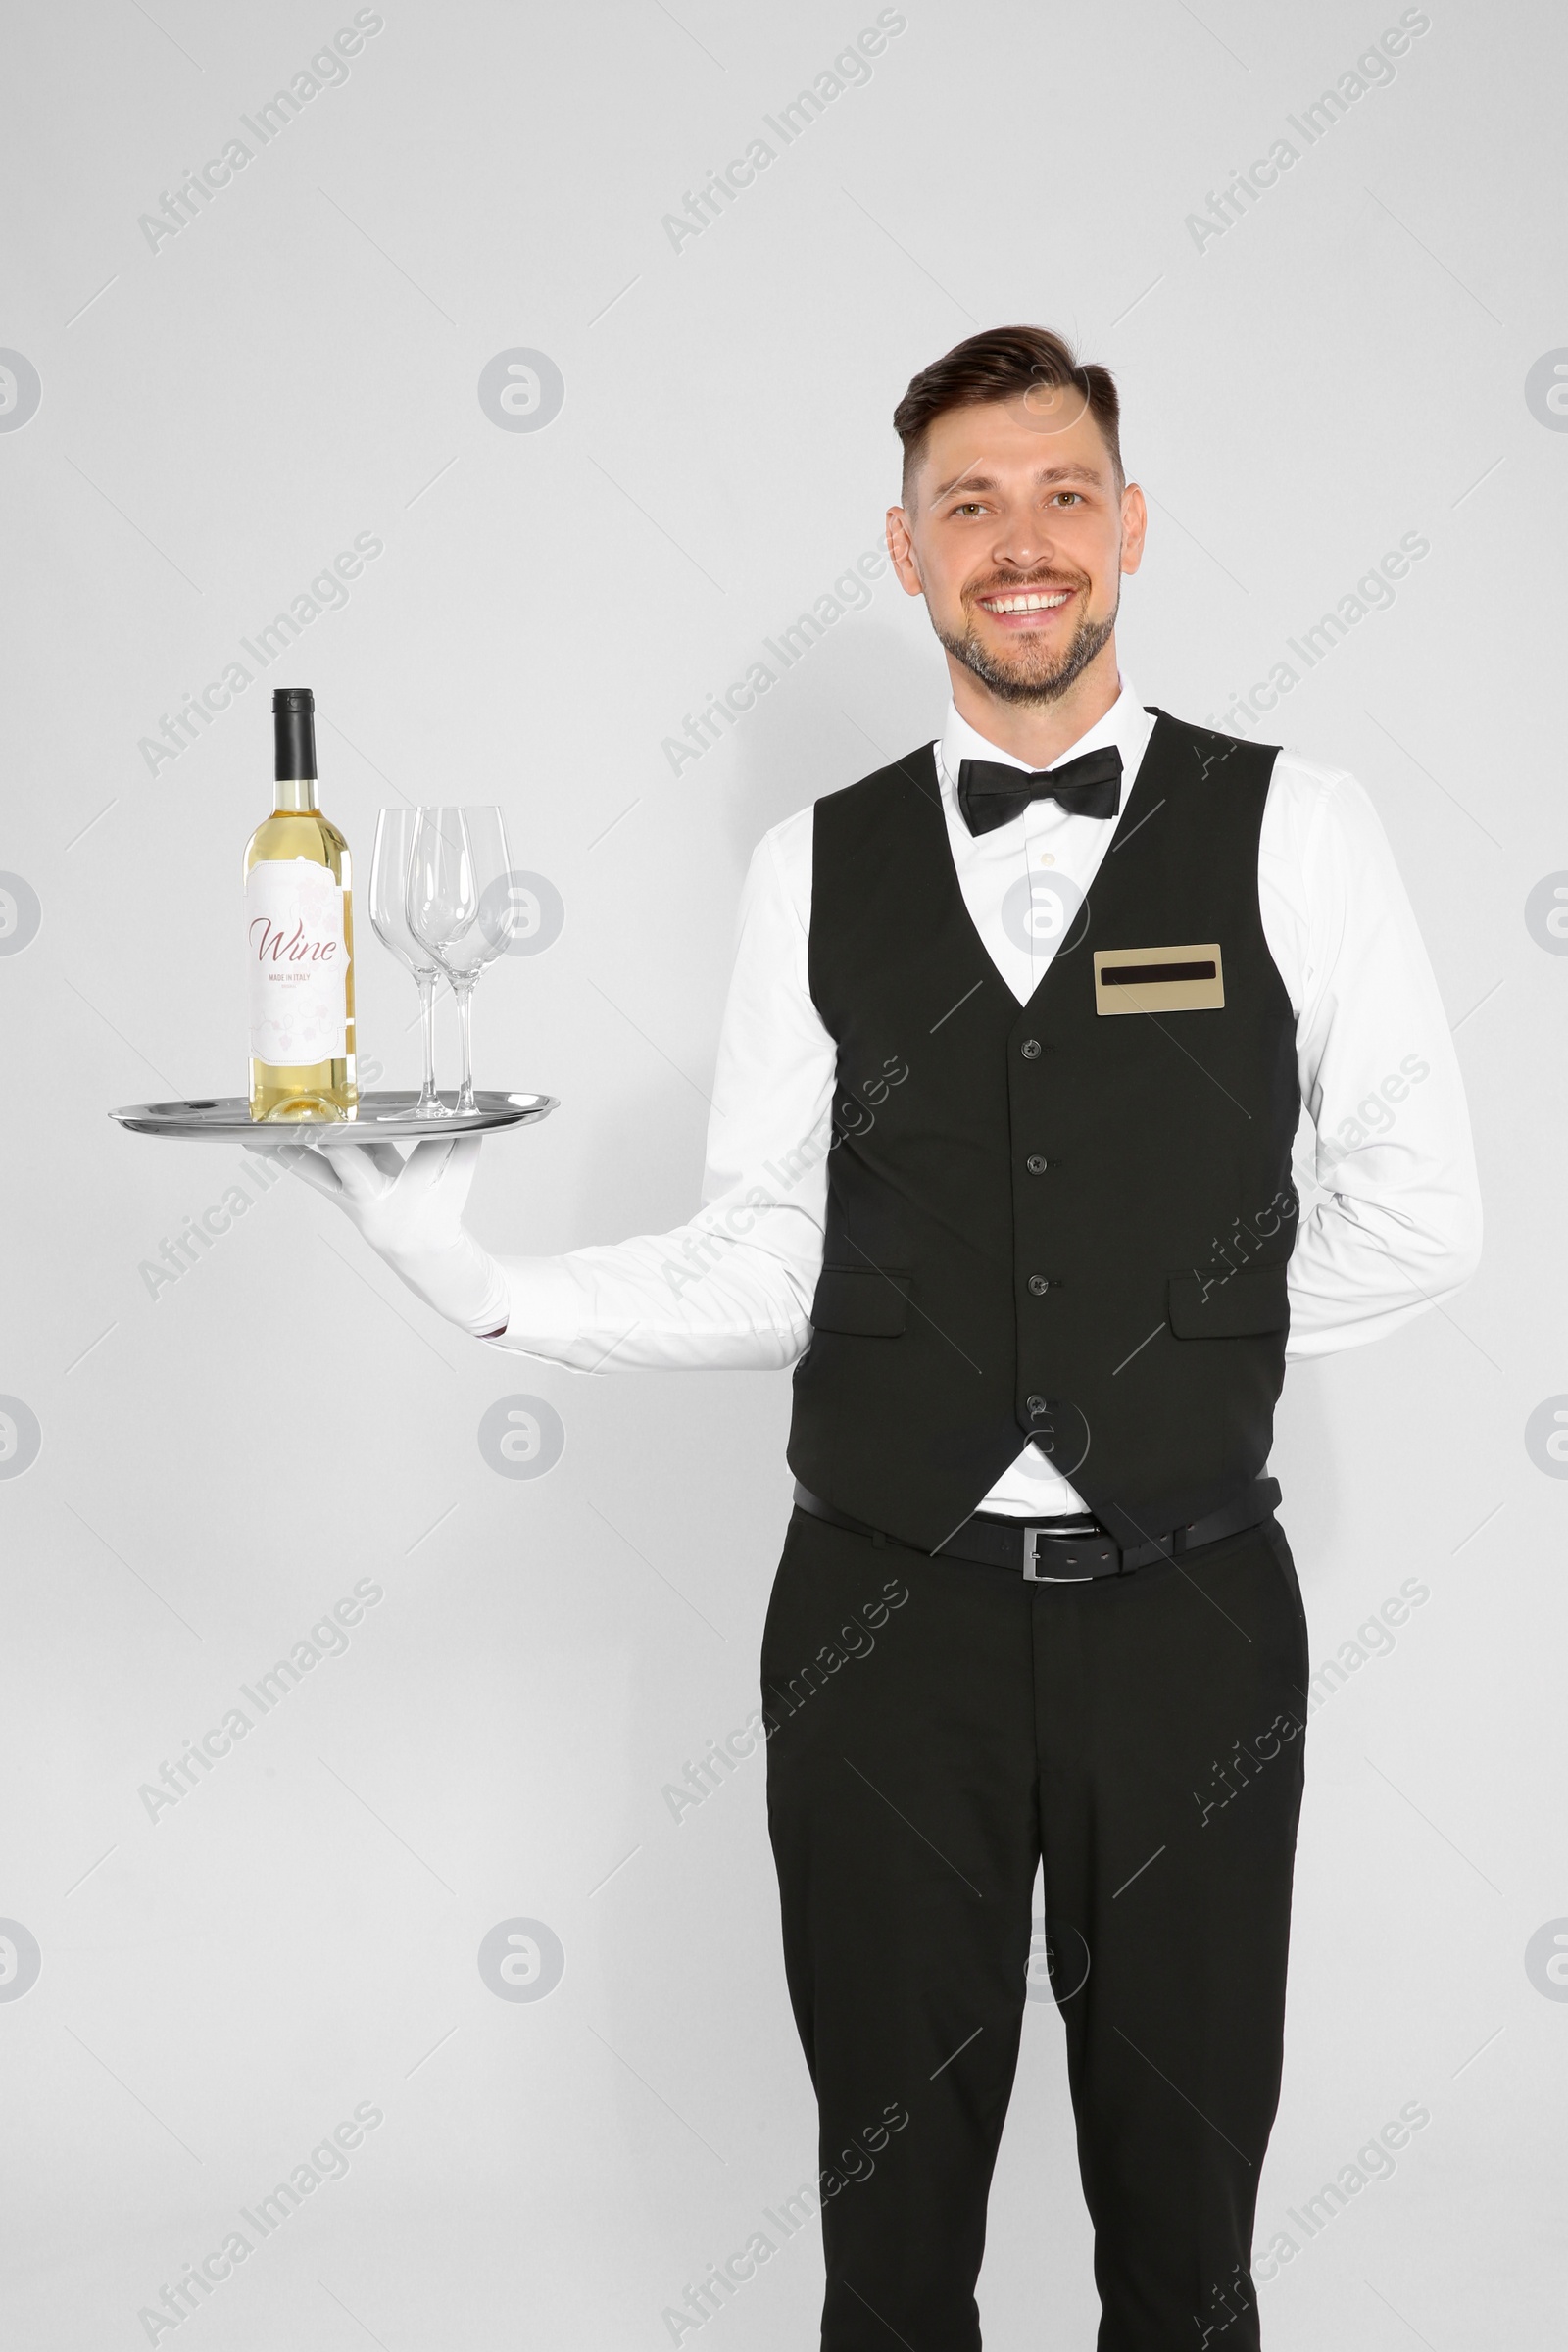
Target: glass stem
429	1101
463	992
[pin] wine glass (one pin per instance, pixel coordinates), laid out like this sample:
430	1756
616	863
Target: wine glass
460	905
395	829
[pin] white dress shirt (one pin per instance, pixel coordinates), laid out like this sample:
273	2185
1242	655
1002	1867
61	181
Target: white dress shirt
1391	1219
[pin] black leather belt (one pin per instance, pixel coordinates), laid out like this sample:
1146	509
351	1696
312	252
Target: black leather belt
1048	1552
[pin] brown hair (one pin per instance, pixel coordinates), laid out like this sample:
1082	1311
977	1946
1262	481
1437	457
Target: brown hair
993	365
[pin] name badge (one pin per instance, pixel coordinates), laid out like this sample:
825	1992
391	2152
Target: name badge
1158	979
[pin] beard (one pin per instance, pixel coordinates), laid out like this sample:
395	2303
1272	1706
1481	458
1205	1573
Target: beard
1031	672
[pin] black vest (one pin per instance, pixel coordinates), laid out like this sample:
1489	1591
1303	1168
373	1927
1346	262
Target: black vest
1061	1222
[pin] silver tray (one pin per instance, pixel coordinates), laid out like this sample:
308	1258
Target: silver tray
387	1117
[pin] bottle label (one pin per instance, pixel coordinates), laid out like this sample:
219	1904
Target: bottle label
299	963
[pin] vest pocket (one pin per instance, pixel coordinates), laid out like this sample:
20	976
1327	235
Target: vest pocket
868	1300
1233	1307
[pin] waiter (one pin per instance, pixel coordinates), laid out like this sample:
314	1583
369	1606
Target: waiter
1020	1034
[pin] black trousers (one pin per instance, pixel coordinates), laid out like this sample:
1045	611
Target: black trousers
935	1730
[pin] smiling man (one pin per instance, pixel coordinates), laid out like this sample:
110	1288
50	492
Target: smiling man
1008	1111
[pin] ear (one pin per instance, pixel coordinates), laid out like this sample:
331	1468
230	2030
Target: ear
1134	527
901	549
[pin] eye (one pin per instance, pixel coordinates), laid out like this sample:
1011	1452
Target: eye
970	505
1076	496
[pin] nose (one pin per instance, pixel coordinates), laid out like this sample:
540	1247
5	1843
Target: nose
1024	544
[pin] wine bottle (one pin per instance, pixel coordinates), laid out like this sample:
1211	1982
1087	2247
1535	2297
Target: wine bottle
299	936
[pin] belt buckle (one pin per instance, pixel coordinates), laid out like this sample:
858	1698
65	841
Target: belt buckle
1033	1574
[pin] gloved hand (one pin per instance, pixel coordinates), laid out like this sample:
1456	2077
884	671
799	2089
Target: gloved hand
411	1212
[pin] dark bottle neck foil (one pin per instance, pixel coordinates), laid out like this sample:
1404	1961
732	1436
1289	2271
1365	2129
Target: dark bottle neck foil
294	730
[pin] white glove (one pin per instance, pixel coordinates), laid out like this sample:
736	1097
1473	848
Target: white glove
411	1212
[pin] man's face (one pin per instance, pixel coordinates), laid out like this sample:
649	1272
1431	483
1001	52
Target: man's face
1016	535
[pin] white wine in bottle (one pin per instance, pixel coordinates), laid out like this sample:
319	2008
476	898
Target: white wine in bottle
299	937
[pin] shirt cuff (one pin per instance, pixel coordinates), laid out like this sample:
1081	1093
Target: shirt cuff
542	1303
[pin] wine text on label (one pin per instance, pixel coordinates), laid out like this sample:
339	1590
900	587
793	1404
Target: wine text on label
298	963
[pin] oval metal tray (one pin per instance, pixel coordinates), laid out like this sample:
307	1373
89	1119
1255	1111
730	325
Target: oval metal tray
388	1116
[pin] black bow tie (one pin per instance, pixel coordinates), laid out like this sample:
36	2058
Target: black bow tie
991	794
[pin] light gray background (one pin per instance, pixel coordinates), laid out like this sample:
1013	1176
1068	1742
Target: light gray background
221	1463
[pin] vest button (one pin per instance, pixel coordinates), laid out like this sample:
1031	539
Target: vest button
1036	1166
1036	1407
1030	1049
1039	1284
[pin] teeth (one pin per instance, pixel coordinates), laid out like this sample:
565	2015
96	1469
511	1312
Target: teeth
1026	604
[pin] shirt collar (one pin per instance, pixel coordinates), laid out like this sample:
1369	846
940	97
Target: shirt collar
1126	725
